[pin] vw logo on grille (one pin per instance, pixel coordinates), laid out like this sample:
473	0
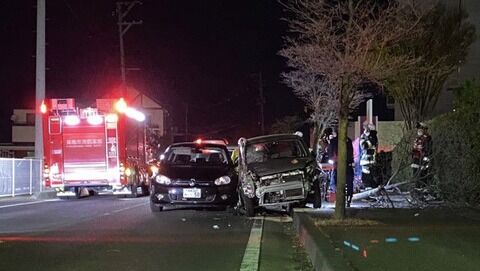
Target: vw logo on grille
192	182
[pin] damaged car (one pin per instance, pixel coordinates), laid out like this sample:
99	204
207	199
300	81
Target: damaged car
276	170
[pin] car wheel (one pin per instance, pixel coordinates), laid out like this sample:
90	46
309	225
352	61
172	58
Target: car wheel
133	189
154	208
77	191
145	190
248	205
317	195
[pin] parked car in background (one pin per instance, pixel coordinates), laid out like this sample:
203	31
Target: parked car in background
276	170
194	174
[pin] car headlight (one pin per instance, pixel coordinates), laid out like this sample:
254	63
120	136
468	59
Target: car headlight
222	180
160	179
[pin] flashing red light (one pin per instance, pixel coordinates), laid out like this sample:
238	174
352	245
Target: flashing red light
43	108
121	105
198	141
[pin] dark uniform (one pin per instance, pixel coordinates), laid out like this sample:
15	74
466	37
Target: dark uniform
368	146
421	156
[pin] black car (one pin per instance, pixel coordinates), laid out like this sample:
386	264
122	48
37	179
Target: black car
196	174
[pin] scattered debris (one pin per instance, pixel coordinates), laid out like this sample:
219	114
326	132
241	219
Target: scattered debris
416	214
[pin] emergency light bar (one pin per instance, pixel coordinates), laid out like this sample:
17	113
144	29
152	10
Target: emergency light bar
134	114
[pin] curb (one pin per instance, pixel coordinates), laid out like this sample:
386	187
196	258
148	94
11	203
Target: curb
45	195
318	246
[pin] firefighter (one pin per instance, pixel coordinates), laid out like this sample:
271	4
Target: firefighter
368	147
421	156
322	151
332	154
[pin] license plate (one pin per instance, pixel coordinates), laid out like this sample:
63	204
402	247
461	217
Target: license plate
192	193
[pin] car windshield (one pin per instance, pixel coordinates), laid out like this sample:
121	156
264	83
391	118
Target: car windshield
195	155
265	151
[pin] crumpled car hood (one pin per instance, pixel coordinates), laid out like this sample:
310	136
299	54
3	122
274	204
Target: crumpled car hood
278	166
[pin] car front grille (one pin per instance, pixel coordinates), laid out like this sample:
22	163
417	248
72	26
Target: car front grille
293	176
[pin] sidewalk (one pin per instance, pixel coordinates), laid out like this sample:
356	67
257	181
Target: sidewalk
47	194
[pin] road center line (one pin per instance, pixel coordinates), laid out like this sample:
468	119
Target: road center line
251	257
28	203
127	208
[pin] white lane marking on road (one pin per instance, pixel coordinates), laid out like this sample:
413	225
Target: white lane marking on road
251	257
28	203
127	208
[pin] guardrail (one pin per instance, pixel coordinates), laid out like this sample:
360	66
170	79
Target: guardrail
20	177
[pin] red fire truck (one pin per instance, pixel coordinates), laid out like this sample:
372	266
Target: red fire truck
94	149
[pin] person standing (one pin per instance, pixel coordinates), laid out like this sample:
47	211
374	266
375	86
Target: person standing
421	156
368	147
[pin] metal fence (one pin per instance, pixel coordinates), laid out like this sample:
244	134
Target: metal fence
20	177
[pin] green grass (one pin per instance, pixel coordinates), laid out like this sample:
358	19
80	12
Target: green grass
448	239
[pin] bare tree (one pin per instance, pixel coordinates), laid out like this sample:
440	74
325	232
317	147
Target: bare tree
318	96
442	49
346	43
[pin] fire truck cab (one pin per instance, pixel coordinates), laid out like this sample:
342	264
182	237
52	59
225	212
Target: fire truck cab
89	148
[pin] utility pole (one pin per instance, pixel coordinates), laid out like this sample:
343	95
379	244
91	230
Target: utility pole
369	111
39	78
123	8
186	121
261	102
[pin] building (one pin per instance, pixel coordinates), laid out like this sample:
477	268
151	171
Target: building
23	135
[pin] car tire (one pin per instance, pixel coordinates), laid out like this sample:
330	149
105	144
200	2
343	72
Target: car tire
133	189
248	205
317	195
77	191
145	190
154	208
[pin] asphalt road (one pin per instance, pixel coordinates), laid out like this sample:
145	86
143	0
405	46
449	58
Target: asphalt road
109	233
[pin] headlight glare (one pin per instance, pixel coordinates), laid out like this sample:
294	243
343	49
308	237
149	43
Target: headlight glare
154	169
222	180
128	172
160	179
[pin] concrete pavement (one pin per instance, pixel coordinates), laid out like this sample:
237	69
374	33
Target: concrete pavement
110	233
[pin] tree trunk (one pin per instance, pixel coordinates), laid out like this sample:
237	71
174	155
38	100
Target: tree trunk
316	137
341	165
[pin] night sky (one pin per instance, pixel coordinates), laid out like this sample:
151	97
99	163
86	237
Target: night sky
206	54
